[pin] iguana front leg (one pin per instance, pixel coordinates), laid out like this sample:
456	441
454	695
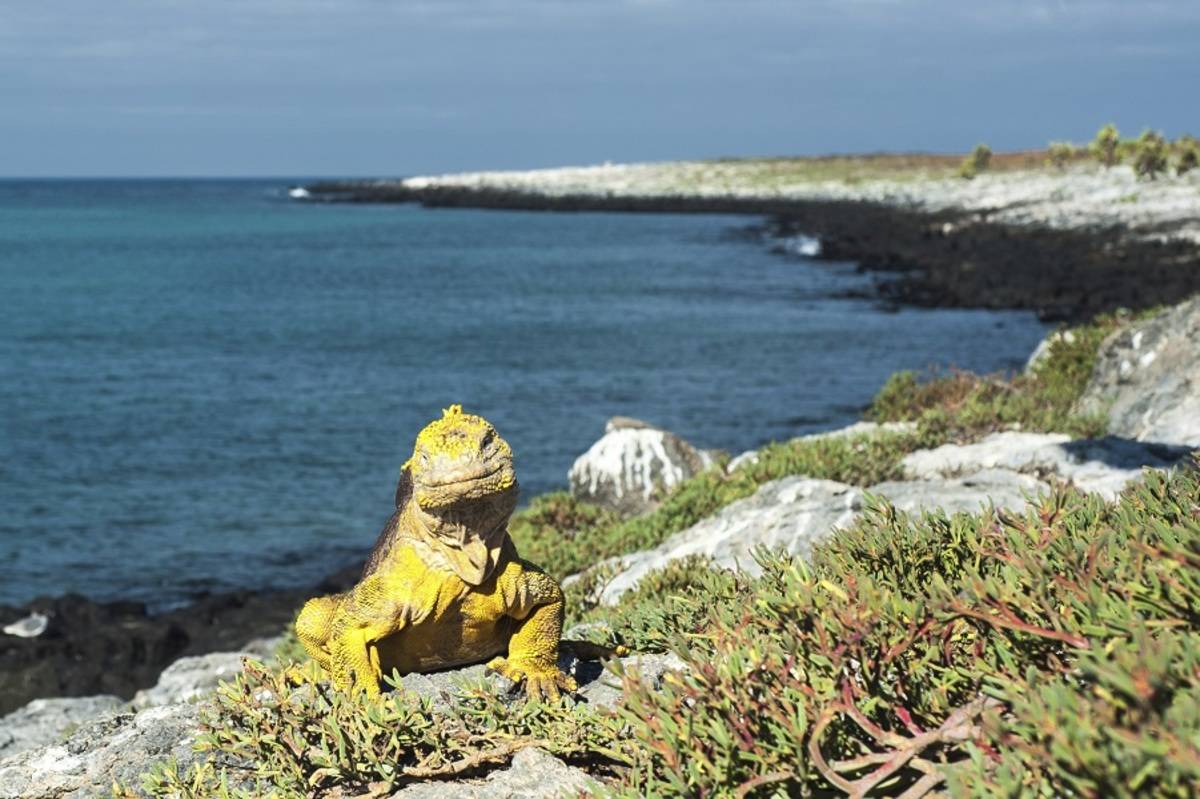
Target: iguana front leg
314	624
367	617
536	601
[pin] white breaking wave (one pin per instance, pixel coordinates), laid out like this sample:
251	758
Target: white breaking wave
807	246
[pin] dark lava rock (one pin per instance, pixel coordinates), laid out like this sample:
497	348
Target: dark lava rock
117	647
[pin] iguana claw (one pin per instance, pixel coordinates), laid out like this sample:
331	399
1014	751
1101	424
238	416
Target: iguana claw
541	684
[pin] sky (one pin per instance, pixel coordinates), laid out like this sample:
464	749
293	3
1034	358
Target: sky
387	87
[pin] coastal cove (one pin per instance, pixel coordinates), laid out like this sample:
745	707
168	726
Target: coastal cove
269	358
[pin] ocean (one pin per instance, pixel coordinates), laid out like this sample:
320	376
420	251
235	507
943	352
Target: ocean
205	385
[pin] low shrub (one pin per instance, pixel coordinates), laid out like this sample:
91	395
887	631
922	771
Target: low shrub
1150	155
963	405
1059	154
1188	150
996	654
286	733
978	161
1105	147
1050	653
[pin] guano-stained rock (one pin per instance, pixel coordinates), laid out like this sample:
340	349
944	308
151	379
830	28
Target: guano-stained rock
631	464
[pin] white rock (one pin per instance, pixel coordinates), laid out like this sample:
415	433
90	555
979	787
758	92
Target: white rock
861	429
1082	197
856	429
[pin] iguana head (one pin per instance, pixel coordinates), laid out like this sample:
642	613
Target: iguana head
463	489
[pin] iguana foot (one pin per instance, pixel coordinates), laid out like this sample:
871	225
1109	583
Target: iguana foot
541	683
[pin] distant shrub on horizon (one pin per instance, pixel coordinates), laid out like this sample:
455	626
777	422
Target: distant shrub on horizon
979	160
1106	146
1060	153
1189	154
1150	155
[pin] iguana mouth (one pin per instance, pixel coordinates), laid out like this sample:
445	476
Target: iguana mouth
466	487
466	477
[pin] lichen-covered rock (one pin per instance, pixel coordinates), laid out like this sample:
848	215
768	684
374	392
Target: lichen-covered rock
46	721
118	748
791	513
632	464
1147	378
533	774
1103	466
191	677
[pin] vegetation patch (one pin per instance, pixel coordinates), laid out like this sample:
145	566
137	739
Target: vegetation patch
860	460
963	405
1050	653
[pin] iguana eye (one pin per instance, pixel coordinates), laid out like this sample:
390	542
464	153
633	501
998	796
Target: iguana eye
488	437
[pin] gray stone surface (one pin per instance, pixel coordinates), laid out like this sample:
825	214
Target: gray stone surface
46	721
116	748
190	678
533	774
1103	466
1147	378
997	487
791	514
631	464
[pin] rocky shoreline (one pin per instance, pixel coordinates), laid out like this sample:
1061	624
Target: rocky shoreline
1066	245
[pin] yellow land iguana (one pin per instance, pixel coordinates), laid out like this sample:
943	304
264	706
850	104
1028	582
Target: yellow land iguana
444	586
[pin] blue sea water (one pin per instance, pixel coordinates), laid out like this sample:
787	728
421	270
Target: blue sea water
204	385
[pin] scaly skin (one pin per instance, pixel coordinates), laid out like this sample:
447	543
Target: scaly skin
444	585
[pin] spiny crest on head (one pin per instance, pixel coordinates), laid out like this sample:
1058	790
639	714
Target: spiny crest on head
453	434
